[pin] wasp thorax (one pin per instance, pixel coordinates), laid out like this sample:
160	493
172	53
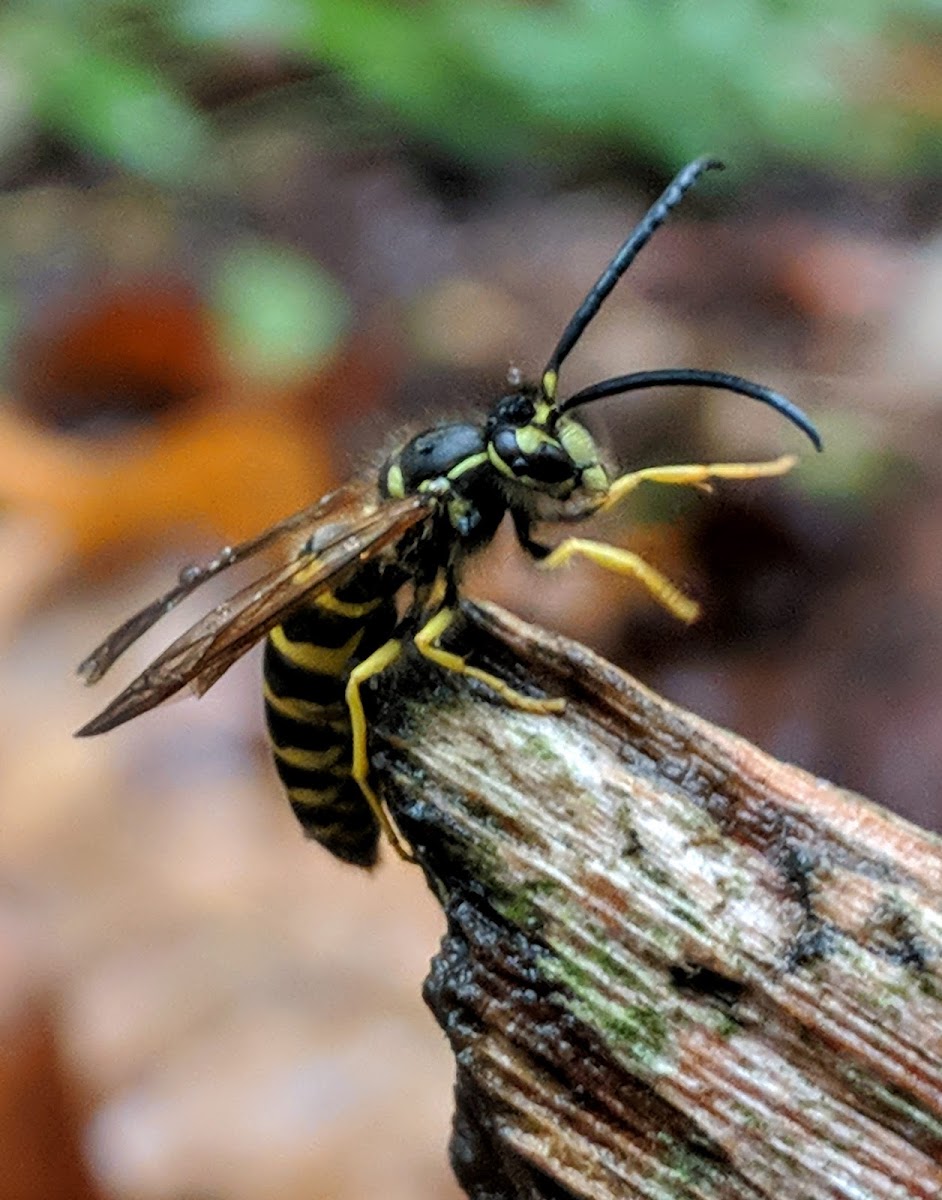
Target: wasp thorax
446	452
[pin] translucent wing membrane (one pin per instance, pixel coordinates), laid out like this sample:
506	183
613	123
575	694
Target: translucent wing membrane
293	529
345	529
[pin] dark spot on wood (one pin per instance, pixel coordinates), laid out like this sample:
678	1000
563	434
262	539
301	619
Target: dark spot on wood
798	864
894	933
483	1164
486	982
910	951
704	981
815	941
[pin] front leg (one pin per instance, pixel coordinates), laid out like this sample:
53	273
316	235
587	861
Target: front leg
696	475
522	526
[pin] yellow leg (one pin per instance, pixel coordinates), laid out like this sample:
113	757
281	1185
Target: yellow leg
696	475
625	562
378	661
425	642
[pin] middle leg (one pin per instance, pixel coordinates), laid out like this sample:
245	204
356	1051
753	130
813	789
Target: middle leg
626	562
426	642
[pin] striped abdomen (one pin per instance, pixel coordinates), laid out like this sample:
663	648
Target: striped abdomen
308	660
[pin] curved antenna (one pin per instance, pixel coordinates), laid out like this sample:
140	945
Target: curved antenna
684	376
638	238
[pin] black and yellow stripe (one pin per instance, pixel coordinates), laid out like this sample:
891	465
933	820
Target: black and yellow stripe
308	660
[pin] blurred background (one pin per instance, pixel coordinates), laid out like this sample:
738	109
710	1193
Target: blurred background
245	245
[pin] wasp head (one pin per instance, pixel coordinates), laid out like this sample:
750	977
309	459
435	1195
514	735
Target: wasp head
532	443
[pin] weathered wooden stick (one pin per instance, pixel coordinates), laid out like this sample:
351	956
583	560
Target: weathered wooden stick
674	967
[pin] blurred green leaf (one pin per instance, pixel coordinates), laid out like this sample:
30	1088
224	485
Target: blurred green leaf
497	80
113	106
740	77
279	313
271	21
9	320
858	463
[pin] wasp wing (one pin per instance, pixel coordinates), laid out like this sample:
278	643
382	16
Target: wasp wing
210	646
290	531
328	566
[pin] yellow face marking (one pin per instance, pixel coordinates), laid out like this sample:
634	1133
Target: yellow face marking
550	383
321	660
395	484
531	437
311	760
467	464
577	442
544	410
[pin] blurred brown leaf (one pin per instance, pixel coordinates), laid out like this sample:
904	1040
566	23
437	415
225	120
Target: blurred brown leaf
129	349
41	1119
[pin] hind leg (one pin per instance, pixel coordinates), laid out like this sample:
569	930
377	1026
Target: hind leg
377	662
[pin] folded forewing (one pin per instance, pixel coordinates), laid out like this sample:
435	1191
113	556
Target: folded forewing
329	552
285	540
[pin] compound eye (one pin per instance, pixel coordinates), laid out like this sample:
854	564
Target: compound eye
530	455
550	463
505	446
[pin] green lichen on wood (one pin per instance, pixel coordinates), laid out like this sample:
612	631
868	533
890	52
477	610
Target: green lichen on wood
524	905
635	1030
662	954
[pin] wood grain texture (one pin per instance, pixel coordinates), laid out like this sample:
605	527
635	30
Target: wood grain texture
674	966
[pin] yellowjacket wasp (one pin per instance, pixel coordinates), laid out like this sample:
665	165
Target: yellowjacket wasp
329	607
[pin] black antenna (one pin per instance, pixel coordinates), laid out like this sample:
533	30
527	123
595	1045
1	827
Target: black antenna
639	237
686	376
